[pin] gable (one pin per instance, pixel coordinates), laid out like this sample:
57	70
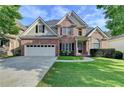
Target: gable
78	21
74	18
65	21
32	29
97	32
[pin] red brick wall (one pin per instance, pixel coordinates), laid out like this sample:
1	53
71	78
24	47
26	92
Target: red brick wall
40	41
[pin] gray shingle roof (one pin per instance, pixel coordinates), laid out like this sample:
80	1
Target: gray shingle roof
119	36
21	25
40	36
52	22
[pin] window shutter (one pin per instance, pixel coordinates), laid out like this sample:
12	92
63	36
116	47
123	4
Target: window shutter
72	46
61	31
36	29
60	46
43	28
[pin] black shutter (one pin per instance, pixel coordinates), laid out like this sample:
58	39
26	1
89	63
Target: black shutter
43	28
72	46
60	46
61	31
36	28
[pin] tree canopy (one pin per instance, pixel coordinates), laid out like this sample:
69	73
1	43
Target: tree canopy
115	18
9	15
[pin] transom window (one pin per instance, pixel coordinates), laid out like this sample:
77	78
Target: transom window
66	31
40	46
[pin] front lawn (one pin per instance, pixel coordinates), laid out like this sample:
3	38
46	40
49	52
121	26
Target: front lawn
103	72
70	58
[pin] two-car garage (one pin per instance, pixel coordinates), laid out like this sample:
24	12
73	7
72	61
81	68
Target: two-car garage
39	50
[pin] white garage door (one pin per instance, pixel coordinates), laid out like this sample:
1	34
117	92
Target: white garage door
40	50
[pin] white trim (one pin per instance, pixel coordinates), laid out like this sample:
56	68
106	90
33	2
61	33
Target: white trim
62	19
99	31
77	16
34	23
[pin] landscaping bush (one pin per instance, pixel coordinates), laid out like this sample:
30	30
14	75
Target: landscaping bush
109	53
102	52
118	55
67	53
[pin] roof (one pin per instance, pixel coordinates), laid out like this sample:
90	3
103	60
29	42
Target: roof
94	29
116	37
39	36
21	25
52	22
35	22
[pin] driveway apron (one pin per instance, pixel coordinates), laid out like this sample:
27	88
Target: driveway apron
24	71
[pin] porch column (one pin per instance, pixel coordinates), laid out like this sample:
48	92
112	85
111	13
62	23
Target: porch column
82	47
76	46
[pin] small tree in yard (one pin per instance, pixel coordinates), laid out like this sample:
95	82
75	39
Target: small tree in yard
9	14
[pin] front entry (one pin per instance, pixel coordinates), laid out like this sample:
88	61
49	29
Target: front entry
39	50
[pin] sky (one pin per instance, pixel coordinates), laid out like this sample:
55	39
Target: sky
89	13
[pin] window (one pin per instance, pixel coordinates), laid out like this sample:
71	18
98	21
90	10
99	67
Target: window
40	28
80	33
1	43
96	43
66	31
66	46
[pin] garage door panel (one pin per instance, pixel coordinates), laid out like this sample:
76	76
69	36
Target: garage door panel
45	50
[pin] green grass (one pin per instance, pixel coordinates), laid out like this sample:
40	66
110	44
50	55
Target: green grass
6	56
103	72
70	58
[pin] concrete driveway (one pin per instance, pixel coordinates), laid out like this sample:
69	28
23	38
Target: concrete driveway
24	71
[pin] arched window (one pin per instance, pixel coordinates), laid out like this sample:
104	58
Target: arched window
95	43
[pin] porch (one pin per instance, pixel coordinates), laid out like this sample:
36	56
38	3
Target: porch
80	46
76	47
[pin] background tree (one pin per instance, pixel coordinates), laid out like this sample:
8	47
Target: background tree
115	16
9	15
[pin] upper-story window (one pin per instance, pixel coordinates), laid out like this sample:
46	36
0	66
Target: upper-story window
40	28
80	33
66	31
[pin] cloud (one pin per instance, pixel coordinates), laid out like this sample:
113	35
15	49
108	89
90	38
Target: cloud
90	14
32	12
82	9
58	12
93	16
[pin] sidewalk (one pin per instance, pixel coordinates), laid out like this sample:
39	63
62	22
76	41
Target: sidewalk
86	59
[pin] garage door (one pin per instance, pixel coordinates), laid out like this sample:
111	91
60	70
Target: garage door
40	50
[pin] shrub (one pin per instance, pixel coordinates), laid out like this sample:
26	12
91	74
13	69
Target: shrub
109	53
118	55
67	53
102	52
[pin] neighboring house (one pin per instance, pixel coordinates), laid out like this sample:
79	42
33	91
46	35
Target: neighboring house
117	42
69	34
10	44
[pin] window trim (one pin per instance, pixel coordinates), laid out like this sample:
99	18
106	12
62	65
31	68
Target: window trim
80	34
66	31
66	46
38	28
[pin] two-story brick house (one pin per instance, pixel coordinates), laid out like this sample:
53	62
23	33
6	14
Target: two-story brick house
68	35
